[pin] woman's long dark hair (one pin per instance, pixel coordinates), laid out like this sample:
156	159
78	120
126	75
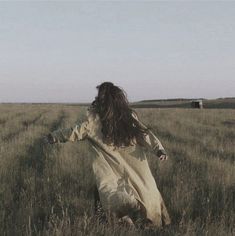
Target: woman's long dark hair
119	127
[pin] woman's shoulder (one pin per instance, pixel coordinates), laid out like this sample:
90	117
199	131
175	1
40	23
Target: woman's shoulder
92	115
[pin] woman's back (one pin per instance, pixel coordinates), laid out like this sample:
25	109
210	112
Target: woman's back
123	174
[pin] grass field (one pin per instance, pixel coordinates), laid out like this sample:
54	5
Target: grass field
48	189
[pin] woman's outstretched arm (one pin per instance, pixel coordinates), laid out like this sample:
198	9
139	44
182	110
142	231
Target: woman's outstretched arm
152	141
76	133
156	145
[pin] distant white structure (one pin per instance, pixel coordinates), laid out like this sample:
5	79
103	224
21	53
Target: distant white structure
197	104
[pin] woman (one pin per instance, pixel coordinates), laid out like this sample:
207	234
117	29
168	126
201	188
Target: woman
125	183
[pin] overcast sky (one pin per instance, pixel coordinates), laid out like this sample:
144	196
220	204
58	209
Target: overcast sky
60	51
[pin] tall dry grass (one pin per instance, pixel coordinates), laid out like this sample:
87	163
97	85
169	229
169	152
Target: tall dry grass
48	190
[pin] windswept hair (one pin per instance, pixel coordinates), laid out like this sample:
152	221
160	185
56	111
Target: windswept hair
119	127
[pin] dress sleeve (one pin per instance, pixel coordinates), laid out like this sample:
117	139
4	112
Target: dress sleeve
76	133
152	141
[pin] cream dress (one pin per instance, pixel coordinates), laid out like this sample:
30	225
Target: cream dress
123	176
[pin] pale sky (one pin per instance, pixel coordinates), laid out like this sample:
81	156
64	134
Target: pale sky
60	51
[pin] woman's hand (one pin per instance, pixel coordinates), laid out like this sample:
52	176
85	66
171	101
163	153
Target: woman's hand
162	155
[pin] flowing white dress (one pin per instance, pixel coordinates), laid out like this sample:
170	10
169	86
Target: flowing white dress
123	176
